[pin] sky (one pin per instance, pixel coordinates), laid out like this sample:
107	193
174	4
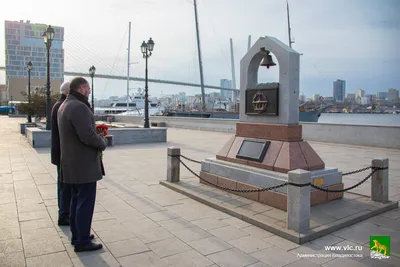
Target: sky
352	40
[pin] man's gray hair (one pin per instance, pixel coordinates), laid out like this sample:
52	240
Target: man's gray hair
64	88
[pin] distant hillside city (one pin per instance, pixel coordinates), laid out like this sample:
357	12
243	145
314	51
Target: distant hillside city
340	102
358	102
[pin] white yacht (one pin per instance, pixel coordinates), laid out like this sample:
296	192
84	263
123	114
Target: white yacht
135	105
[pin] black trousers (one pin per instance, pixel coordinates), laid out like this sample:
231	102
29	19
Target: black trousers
63	197
81	211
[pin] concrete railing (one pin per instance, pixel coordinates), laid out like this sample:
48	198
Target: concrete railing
204	124
361	135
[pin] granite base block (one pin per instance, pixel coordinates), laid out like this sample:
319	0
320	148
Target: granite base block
271	198
124	136
38	137
265	178
237	176
24	125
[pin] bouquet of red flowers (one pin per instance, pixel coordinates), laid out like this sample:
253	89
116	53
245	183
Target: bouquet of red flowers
102	129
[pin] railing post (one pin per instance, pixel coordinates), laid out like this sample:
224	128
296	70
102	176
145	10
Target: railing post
298	201
380	181
173	164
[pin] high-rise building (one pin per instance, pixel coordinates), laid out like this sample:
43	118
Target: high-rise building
302	98
24	43
393	94
225	83
182	97
381	95
360	93
316	98
366	100
350	97
339	90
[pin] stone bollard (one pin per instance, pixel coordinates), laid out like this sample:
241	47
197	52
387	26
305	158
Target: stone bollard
298	201
173	164
380	181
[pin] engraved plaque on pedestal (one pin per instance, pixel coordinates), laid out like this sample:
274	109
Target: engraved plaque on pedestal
253	150
263	100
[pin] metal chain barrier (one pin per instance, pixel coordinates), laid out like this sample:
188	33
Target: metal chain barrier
351	187
374	169
189	159
357	171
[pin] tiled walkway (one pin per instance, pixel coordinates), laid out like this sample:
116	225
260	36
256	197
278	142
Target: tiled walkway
142	223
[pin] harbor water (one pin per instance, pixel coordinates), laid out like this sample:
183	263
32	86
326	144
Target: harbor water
360	119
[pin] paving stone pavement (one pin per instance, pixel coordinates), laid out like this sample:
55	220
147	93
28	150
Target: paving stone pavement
141	223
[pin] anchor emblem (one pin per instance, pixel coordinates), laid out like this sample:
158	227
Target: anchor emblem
260	102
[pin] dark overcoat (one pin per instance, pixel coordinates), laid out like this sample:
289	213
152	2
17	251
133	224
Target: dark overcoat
55	137
79	142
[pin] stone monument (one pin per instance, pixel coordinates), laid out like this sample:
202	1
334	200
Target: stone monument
268	141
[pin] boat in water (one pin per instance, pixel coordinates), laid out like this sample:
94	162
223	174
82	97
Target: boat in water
135	107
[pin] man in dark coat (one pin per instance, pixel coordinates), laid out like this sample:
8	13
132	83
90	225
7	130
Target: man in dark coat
63	193
81	165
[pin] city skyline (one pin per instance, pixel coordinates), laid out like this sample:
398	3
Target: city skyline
383	94
359	48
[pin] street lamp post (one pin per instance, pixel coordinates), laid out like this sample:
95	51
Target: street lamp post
29	68
92	71
147	50
48	37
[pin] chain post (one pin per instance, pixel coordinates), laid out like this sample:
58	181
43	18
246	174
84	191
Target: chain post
298	201
173	164
380	180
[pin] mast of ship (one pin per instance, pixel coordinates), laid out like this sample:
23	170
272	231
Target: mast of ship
234	93
290	35
129	63
288	23
200	61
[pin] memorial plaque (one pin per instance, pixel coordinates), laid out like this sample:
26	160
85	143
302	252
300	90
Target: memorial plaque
253	150
263	101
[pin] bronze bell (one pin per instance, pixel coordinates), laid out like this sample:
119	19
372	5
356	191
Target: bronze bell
267	59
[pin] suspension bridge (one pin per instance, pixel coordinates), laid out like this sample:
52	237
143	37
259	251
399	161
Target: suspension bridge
119	77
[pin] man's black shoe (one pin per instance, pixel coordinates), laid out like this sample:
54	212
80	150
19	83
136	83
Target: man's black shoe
88	247
90	237
63	222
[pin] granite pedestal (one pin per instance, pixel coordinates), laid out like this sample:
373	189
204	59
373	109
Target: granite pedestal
268	142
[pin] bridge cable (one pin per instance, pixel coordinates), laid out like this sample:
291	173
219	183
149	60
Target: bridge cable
85	51
115	61
100	52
